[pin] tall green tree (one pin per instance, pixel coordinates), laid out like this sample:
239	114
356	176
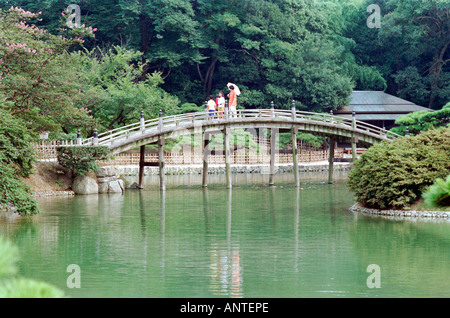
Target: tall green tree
275	50
113	93
37	73
16	161
410	49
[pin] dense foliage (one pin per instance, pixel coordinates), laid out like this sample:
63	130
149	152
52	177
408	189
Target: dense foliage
438	194
13	286
81	159
274	50
37	74
16	159
411	49
395	174
422	120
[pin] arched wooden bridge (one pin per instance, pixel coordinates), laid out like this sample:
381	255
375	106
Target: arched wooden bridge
157	130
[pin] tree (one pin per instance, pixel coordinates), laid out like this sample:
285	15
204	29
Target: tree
38	74
275	50
16	161
115	92
423	120
410	49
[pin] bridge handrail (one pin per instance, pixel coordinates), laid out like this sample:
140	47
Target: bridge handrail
153	123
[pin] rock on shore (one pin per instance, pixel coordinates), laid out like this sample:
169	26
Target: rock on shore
106	180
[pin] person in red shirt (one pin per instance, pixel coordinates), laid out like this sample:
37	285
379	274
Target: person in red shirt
232	100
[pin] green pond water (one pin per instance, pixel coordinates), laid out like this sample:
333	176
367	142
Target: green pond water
251	241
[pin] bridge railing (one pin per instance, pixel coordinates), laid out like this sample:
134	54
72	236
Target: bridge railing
190	118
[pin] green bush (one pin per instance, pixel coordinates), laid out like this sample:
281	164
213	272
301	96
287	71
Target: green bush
16	161
81	159
438	194
15	193
12	286
395	174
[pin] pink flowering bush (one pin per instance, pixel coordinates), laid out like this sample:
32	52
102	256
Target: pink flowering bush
39	75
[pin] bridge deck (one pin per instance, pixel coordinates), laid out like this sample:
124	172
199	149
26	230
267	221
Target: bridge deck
149	131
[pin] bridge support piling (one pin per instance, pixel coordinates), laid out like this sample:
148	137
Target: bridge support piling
294	157
206	137
354	138
141	165
162	172
294	146
332	142
273	135
226	145
354	141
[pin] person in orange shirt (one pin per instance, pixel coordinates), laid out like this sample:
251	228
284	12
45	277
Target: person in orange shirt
232	100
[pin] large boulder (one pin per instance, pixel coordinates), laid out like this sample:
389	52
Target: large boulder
84	185
107	171
108	181
114	187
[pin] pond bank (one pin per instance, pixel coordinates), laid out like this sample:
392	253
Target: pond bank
50	180
402	213
133	170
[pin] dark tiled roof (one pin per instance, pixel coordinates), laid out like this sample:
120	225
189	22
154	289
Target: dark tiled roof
379	104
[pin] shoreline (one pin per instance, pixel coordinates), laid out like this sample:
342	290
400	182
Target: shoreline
413	214
196	169
133	170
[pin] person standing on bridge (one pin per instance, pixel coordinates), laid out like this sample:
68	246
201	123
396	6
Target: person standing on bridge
211	106
232	100
220	105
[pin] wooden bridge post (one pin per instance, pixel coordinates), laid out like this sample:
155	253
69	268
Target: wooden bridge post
95	138
141	165
226	145
353	137
273	134
142	122
79	141
162	173
226	110
206	137
162	181
294	147
272	147
332	142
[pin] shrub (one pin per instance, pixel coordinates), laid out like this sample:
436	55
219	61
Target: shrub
12	286
394	174
438	194
16	161
81	159
15	193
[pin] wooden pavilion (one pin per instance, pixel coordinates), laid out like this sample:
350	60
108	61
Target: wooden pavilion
378	108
